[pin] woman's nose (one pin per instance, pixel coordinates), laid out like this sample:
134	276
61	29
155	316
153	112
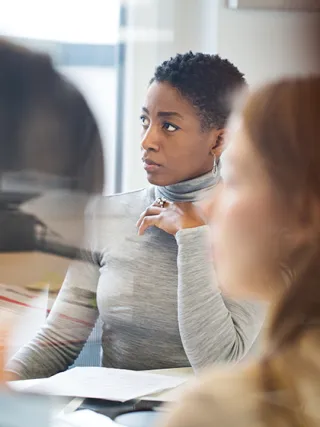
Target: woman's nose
151	140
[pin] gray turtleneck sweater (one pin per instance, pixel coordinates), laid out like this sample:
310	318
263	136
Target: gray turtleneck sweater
156	295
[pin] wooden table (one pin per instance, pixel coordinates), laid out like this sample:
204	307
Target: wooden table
28	268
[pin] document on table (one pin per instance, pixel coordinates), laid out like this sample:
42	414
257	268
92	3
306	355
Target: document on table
23	385
103	383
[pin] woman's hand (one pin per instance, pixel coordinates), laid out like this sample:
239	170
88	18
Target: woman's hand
171	218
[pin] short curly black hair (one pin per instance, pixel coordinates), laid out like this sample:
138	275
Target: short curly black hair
206	81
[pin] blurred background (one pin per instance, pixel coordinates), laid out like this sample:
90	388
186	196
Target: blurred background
109	49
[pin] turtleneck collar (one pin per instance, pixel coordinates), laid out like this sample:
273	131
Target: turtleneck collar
188	191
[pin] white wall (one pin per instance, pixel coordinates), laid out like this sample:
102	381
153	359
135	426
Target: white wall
263	44
170	26
95	22
72	21
99	85
142	55
268	44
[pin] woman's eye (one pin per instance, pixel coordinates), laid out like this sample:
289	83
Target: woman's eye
170	127
144	121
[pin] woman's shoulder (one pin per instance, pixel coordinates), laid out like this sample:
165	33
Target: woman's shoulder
220	397
114	215
126	202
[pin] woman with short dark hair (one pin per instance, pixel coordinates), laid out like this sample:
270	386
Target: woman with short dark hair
150	277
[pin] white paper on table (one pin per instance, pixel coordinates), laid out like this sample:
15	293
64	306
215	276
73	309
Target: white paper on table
22	385
171	395
60	405
103	383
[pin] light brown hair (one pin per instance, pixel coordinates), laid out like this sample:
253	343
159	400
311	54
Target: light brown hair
282	121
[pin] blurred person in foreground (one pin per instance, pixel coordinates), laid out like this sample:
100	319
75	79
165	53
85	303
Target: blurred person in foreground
50	163
49	146
150	278
266	243
46	127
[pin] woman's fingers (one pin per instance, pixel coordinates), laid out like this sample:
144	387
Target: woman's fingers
151	211
148	221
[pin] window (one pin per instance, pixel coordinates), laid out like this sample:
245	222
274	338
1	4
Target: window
72	21
82	38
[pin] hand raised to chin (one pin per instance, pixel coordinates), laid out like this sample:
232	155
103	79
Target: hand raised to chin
170	217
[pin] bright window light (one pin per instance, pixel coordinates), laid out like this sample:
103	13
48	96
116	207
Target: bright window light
68	21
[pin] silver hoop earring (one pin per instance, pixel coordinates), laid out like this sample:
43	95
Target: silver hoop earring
215	166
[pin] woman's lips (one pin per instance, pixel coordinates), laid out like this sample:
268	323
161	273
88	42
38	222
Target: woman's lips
150	166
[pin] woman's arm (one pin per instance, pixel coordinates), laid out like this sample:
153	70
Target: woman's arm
71	320
67	328
213	328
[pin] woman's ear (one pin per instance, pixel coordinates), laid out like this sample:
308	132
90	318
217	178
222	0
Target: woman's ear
217	146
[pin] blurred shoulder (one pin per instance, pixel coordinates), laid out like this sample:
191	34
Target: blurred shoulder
224	397
128	204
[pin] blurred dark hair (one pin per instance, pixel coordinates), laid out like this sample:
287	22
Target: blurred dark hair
45	123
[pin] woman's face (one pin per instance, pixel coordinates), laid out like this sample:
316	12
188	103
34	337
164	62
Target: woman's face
174	148
244	223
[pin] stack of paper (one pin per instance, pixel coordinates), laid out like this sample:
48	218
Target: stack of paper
102	383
